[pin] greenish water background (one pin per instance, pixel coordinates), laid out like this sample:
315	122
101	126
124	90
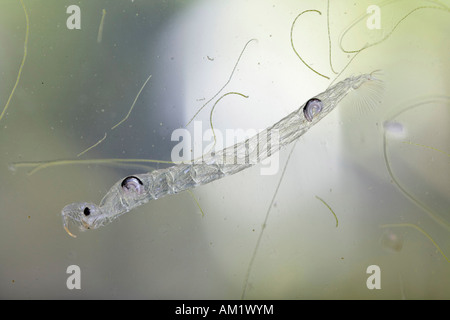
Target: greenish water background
73	90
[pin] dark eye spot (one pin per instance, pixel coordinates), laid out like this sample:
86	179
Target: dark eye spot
87	211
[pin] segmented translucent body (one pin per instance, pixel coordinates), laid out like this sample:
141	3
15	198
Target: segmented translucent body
133	191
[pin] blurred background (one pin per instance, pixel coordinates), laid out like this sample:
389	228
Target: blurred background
385	162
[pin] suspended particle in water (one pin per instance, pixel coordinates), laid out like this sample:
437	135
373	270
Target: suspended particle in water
395	129
100	28
392	241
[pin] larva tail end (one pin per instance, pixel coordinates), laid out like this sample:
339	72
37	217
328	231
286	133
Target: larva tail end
376	75
369	94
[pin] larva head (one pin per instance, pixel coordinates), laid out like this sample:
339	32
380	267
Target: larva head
84	215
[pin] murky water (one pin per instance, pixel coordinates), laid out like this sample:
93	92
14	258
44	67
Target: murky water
73	88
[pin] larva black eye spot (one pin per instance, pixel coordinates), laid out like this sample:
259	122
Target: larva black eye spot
87	211
312	108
